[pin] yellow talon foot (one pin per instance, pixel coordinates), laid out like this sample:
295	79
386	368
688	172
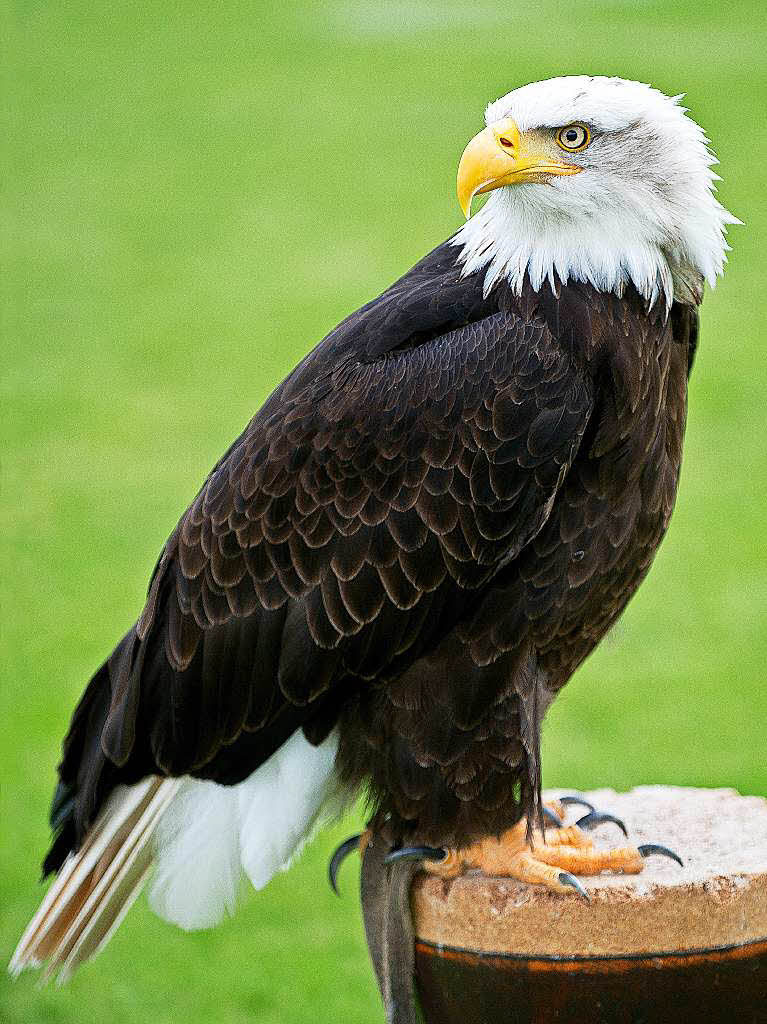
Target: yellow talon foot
551	860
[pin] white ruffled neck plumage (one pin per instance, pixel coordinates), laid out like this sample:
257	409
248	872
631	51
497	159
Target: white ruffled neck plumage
642	211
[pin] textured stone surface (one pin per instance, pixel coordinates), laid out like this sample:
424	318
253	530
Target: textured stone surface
718	898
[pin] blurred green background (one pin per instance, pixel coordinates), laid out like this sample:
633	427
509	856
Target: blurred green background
193	194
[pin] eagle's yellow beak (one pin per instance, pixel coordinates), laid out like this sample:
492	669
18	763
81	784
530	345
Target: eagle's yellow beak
500	155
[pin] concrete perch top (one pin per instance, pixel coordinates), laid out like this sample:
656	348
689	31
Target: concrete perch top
718	899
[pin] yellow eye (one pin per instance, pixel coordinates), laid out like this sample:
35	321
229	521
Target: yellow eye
573	137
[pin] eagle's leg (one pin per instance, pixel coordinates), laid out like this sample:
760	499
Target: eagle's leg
552	860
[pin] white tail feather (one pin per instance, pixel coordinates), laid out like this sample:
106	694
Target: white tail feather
211	833
279	812
198	868
202	837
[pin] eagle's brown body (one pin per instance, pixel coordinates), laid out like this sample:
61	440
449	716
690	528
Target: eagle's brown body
420	536
460	727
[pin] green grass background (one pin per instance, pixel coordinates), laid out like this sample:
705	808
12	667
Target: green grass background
193	194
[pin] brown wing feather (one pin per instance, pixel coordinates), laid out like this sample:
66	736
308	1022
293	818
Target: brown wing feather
414	451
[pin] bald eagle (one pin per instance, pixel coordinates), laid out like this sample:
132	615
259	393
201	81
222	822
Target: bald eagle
424	531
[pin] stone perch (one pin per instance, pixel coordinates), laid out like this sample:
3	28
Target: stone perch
669	945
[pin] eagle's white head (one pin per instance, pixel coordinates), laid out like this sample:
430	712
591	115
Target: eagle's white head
598	180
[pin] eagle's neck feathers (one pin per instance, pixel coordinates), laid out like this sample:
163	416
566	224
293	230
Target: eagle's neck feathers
512	239
514	236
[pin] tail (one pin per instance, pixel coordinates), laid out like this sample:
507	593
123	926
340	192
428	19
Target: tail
203	837
96	885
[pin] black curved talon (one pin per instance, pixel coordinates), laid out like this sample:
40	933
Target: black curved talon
577	800
593	818
550	818
567	879
339	855
416	853
648	849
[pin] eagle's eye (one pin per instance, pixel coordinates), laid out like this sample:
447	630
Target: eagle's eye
573	137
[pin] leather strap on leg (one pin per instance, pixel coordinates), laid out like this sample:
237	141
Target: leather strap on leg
385	895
